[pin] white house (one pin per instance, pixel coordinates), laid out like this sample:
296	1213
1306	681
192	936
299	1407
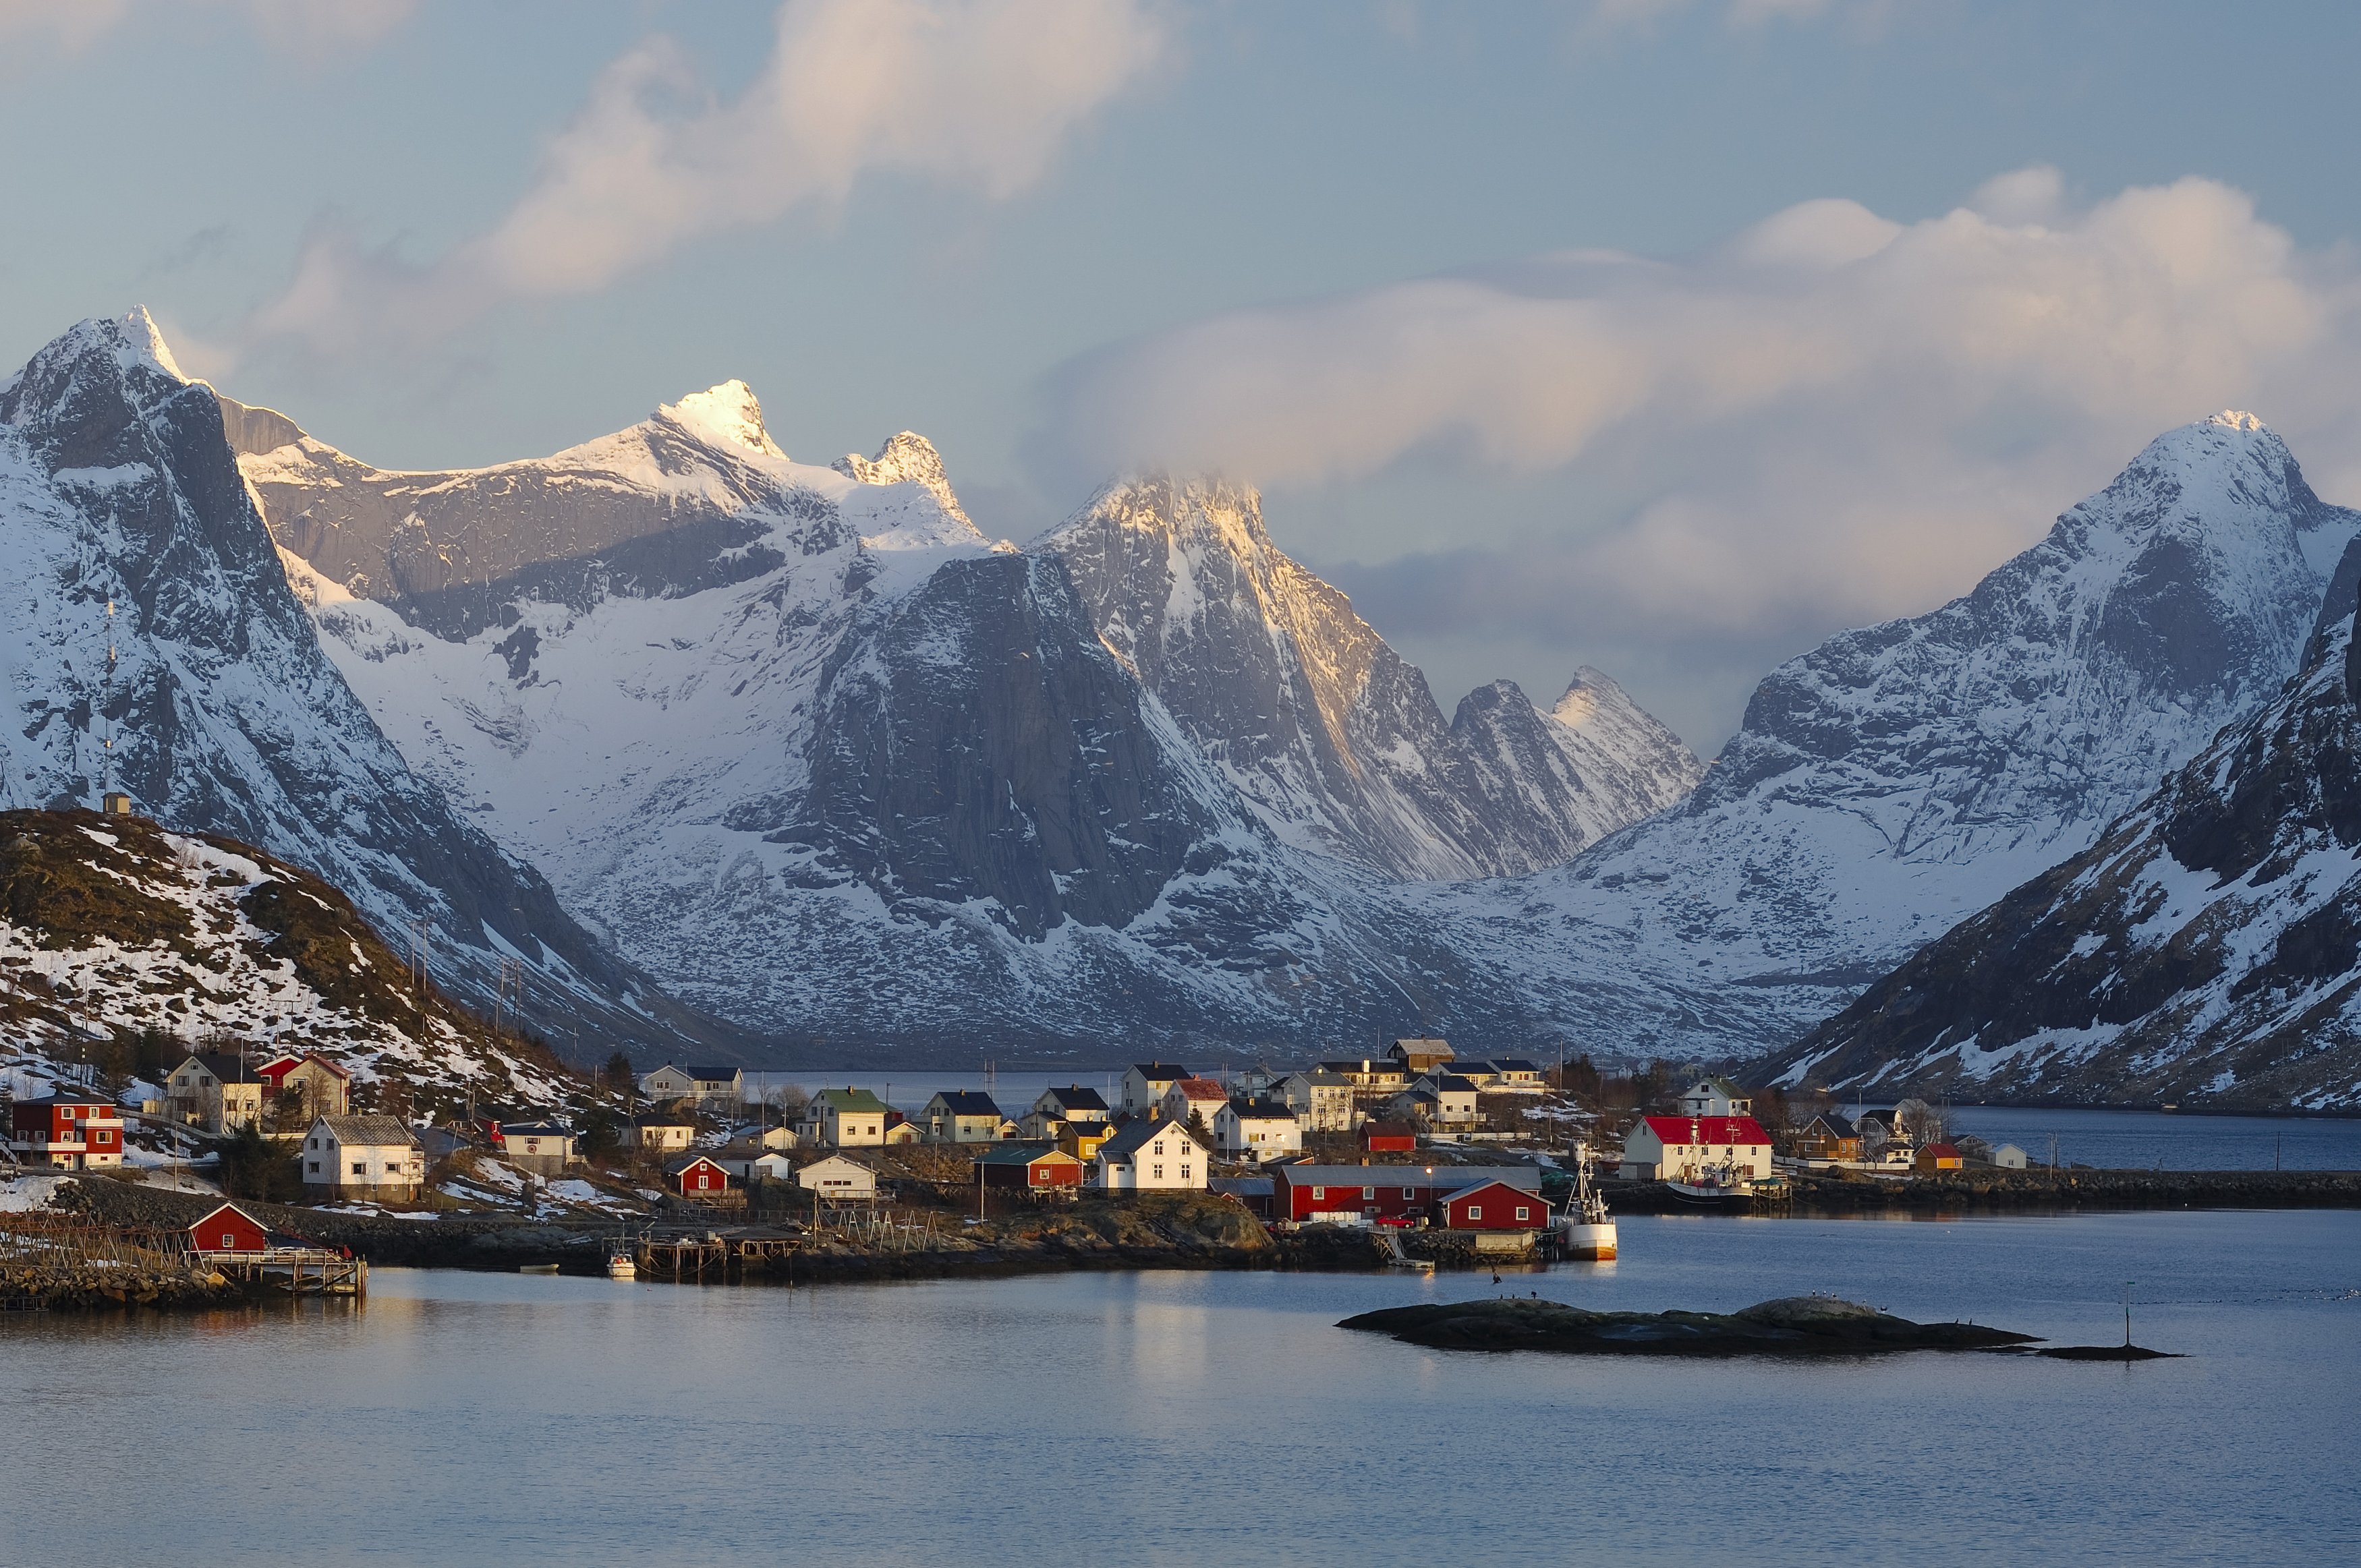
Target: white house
2008	1156
1716	1097
1153	1155
1516	1075
1145	1083
658	1134
363	1157
1679	1148
710	1086
1256	1129
960	1116
1440	1100
544	1148
1200	1097
1071	1104
749	1163
846	1118
765	1138
837	1178
1322	1099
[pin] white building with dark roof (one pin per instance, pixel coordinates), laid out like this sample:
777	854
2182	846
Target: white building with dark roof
369	1157
1153	1155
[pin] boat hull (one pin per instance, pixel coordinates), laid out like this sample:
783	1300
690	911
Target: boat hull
1587	1243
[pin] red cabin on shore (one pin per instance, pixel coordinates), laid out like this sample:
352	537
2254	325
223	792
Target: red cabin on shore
1389	1138
698	1176
229	1229
1494	1206
1386	1194
1029	1167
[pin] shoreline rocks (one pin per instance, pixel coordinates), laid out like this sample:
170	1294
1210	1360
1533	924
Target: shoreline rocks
1796	1325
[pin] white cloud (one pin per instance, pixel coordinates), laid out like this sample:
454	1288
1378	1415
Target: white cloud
1829	418
975	94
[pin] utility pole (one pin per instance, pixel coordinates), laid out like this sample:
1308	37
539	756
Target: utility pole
2128	1312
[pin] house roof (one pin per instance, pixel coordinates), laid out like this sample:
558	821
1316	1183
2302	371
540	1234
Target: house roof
1836	1127
1425	1047
1261	1111
1200	1089
1387	1130
1023	1154
351	1130
224	1065
1074	1097
967	1102
1452	1177
1134	1139
1722	1086
1723	1130
536	1130
679	1163
1452	1083
1514	1064
58	1098
1942	1151
227	1208
1486	1186
1240	1186
853	1102
1322	1078
1161	1071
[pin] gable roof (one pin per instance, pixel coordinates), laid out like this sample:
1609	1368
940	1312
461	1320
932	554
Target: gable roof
850	1101
660	1119
227	1208
1322	1078
1722	1086
967	1102
1514	1064
1724	1130
536	1130
1199	1088
1838	1127
1484	1186
679	1163
1074	1097
1023	1153
1161	1071
378	1130
1134	1139
225	1066
1261	1111
1452	1083
1448	1178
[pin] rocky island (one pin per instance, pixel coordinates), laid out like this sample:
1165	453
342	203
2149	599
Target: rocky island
1795	1325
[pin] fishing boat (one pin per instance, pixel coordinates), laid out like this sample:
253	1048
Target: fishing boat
1714	1186
619	1262
1585	1230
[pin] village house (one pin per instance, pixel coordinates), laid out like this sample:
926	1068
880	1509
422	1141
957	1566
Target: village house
1939	1156
845	1118
697	1176
1084	1139
839	1179
1515	1075
1493	1205
711	1086
900	1129
2008	1156
1146	1084
67	1129
310	1084
1438	1100
1389	1138
1383	1194
658	1134
215	1091
1256	1130
1829	1138
1321	1098
961	1116
1679	1148
374	1159
1477	1071
226	1229
1419	1057
765	1138
1027	1168
1073	1104
1154	1155
1199	1097
543	1148
1370	1077
1715	1097
751	1163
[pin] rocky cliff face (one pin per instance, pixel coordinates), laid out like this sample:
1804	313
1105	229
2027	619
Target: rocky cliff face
117	487
1334	740
2206	951
1893	780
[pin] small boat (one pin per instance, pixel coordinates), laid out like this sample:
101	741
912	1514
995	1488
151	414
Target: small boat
618	1262
1585	1230
536	1268
1722	1186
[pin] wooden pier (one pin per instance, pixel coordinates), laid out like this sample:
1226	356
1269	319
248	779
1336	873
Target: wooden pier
298	1271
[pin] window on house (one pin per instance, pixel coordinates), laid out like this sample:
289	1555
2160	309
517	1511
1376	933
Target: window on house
1184	1173
315	1167
1368	1192
1159	1173
1474	1210
360	1167
1524	1213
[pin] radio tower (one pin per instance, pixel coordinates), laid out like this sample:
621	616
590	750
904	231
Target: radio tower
108	799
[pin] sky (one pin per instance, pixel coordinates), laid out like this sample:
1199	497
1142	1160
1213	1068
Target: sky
1664	337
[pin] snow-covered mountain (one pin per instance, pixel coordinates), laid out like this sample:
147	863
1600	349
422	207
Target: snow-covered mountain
1895	779
1336	741
118	490
111	927
830	764
2206	951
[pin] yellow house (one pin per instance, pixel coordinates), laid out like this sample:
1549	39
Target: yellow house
1082	1139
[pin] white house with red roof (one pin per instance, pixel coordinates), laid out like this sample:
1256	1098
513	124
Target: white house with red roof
1201	1095
1677	1148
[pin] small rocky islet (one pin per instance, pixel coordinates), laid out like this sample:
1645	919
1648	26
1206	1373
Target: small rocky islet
1795	1325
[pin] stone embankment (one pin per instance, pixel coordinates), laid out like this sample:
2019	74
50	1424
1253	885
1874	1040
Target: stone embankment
2021	1191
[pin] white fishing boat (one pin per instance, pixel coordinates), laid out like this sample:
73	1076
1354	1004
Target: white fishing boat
619	1262
1721	1186
1585	1230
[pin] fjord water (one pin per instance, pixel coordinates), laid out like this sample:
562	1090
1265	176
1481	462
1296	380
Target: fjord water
1220	1418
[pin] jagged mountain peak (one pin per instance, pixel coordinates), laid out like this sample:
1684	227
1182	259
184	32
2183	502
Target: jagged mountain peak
907	459
727	415
1589	694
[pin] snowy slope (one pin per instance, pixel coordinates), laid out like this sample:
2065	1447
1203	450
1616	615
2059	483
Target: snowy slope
2203	952
111	925
1898	779
116	487
1336	741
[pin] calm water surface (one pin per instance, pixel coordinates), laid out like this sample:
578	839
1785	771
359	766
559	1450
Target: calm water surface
1216	1419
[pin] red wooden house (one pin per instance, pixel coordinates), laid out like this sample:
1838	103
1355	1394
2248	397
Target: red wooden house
66	1130
1389	1138
1029	1167
1383	1194
1494	1206
695	1176
229	1229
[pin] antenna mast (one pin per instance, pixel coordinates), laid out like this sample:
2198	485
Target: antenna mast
106	703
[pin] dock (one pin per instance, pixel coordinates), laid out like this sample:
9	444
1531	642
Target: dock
298	1271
